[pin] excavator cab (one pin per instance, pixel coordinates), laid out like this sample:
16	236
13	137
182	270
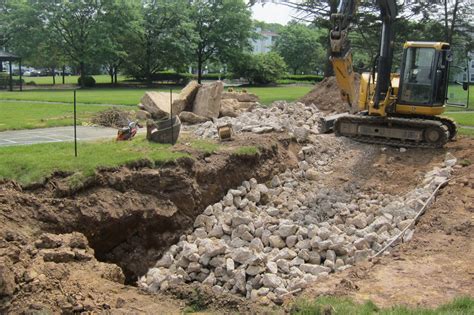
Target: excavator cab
423	78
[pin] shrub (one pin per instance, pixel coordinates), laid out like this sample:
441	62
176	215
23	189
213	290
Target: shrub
88	81
261	69
303	77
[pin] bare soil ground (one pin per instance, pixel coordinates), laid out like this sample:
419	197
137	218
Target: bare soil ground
436	265
129	215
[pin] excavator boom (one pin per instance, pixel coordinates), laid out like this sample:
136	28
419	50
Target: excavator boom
393	109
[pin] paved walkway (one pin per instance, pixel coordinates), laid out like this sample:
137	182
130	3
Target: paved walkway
57	134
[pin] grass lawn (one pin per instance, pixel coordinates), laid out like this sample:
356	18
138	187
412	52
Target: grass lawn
72	79
464	119
19	115
29	164
337	305
130	96
121	96
287	93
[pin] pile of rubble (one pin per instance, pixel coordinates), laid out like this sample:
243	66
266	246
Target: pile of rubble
266	241
295	118
196	103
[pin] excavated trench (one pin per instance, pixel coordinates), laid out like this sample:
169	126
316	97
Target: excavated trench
132	214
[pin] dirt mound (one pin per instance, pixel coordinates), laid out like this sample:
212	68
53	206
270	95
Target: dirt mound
113	117
326	95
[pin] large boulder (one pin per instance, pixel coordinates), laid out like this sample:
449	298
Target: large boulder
208	100
229	107
192	118
186	98
158	104
241	97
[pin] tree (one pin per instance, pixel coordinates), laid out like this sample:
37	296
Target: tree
223	29
319	13
120	24
261	68
162	39
299	46
76	27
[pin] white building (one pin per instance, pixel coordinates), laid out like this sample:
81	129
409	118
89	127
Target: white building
264	42
470	71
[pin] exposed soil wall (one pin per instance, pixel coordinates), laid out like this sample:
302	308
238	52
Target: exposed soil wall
131	214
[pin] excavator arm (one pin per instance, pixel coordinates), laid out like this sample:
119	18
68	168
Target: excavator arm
341	55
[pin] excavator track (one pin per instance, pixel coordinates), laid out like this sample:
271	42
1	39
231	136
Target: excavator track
448	122
394	131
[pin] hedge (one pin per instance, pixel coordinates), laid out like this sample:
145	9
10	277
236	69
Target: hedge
303	77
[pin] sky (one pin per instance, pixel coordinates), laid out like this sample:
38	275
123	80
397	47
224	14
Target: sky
273	13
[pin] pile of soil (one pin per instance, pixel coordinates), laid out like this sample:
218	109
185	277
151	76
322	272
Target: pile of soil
326	95
113	117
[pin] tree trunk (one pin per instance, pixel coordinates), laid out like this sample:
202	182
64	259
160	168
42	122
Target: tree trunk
54	75
446	27
328	70
453	22
64	69
111	73
115	74
199	68
83	73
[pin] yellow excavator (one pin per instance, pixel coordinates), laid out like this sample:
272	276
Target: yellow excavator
393	109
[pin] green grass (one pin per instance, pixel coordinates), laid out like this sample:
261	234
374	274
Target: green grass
335	305
247	150
16	115
132	96
72	79
120	96
465	119
457	95
280	93
466	132
29	164
205	146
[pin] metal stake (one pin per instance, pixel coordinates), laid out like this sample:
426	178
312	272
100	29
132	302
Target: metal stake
171	116
75	126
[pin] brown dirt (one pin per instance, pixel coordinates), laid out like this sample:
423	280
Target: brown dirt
326	95
129	215
436	265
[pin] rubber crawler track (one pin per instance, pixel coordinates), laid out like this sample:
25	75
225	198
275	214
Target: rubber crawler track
413	123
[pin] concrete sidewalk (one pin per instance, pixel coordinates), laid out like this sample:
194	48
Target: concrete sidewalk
56	134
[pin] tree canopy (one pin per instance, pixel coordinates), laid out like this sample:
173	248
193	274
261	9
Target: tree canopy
299	46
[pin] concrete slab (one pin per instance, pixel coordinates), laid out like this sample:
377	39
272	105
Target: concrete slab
57	134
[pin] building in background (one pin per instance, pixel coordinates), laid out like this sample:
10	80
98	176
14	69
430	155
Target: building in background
264	42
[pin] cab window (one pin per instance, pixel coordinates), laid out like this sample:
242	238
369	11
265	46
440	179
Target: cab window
417	76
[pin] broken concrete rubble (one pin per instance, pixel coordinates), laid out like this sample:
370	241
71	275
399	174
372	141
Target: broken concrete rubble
283	235
208	100
158	104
